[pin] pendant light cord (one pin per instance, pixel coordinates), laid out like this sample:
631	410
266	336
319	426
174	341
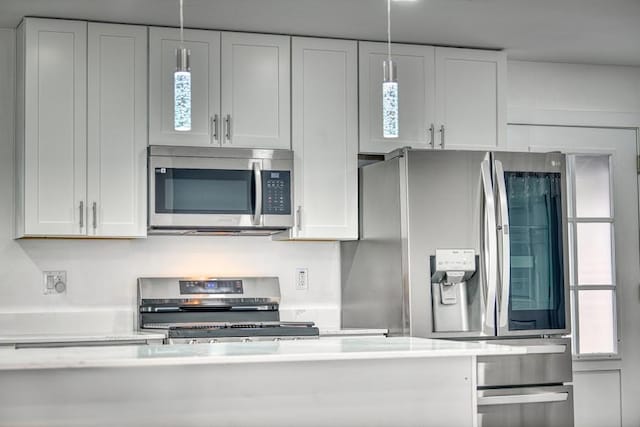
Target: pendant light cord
181	25
388	29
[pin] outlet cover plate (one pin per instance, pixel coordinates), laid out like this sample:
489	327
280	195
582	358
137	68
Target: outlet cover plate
55	282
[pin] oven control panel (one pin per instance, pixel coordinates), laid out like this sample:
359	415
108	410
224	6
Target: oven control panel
210	287
276	192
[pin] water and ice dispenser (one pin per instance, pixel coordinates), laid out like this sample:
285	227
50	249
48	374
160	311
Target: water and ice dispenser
454	290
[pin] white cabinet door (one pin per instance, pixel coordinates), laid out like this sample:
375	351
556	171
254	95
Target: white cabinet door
415	74
52	149
325	138
117	131
255	90
470	98
205	87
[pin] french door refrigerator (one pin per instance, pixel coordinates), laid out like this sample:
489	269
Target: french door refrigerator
471	245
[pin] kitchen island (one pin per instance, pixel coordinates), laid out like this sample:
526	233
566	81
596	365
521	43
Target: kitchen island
334	381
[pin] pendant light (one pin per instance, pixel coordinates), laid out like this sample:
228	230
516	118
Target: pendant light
182	84
390	124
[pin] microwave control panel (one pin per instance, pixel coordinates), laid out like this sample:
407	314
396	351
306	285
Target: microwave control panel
276	192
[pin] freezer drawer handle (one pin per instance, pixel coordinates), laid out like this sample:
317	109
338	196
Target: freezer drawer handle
518	399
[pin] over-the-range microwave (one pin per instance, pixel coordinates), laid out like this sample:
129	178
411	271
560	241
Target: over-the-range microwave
219	190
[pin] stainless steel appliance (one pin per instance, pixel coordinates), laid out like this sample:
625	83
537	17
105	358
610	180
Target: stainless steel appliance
218	190
470	245
209	310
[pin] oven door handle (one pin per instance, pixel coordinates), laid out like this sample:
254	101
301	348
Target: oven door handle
257	177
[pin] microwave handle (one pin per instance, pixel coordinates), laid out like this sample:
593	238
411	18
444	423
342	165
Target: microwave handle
257	177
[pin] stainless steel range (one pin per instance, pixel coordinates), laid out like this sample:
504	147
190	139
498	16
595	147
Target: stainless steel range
209	310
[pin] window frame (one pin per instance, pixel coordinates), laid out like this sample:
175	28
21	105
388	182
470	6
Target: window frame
574	286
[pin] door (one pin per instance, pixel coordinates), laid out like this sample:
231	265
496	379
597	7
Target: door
531	206
256	90
325	138
416	77
526	407
117	131
470	98
205	87
449	198
199	192
55	143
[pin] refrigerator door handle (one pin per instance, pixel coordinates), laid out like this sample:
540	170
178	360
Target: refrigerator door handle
505	247
489	246
519	399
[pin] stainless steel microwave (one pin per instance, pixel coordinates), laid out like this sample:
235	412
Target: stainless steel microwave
219	190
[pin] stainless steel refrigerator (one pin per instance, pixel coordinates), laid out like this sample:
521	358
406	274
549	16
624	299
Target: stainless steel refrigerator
471	245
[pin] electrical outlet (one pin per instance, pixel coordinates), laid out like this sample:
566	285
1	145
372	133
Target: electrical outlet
302	279
55	282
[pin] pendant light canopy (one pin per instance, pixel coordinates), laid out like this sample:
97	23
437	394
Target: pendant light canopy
182	84
390	124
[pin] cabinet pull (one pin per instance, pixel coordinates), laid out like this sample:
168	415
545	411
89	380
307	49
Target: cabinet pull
94	209
227	122
299	218
214	128
432	130
442	136
81	214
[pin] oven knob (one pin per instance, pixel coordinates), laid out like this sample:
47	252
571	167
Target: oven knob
193	342
213	341
277	339
246	339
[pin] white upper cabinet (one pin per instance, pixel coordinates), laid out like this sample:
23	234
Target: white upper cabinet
255	90
470	98
81	129
240	89
416	77
448	98
205	87
325	138
51	127
117	131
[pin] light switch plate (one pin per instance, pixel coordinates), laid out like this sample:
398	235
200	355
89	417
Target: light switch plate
302	279
55	282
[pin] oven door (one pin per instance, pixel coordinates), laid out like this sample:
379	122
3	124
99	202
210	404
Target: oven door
199	192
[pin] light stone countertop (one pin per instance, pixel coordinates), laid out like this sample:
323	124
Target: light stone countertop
12	339
338	348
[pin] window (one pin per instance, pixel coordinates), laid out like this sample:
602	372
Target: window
591	252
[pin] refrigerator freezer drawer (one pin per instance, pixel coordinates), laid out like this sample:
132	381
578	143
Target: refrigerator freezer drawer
526	407
548	362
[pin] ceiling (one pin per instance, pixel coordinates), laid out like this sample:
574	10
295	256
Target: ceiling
582	31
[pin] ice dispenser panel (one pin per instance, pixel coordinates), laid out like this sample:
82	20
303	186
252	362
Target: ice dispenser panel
454	290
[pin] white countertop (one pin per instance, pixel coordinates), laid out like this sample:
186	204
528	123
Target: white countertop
12	339
352	332
338	348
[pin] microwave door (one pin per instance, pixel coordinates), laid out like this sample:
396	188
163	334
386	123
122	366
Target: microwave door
189	192
533	293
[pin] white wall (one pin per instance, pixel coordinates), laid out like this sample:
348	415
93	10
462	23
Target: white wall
102	273
606	392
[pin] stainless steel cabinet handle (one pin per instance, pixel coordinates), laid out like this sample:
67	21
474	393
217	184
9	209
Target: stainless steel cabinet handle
227	122
518	399
505	245
489	246
441	136
432	140
299	218
81	214
94	209
214	128
257	176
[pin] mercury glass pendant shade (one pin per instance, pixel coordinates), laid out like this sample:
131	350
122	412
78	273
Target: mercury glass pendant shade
390	128
182	91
